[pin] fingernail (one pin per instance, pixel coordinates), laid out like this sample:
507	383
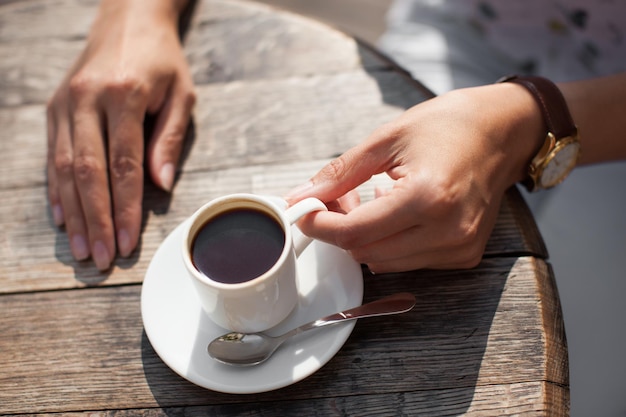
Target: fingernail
167	176
101	255
123	243
79	247
57	215
298	191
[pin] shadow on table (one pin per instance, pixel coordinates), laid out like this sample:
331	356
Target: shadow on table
434	368
155	201
387	73
425	362
437	361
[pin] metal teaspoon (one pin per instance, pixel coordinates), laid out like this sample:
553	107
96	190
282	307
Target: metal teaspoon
246	349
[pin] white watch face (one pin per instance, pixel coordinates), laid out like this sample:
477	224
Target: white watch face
560	162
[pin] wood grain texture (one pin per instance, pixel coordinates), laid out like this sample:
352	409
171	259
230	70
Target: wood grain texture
278	96
278	128
363	19
228	41
231	129
488	402
78	349
26	228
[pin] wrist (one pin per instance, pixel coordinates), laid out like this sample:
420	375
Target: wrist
123	22
529	129
517	127
158	12
560	148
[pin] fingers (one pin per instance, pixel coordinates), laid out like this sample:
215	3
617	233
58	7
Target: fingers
125	150
89	176
95	183
412	226
64	198
348	171
450	173
363	225
167	141
399	241
430	260
422	247
52	182
95	130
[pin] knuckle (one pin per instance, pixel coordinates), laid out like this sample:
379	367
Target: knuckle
174	136
82	86
79	85
127	213
117	86
125	84
63	165
335	169
126	87
100	222
123	166
86	168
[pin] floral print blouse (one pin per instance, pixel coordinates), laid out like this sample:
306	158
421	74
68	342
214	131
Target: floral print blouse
562	40
588	35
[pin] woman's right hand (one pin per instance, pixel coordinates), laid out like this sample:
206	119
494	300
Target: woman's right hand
451	159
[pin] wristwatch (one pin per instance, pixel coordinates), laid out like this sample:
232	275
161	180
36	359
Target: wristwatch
561	148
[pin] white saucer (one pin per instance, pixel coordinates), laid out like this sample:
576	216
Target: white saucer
178	329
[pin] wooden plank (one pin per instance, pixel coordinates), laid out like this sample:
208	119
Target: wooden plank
25	21
557	359
485	401
487	341
234	40
296	119
33	61
364	19
224	138
243	123
35	255
77	350
515	231
69	351
219	45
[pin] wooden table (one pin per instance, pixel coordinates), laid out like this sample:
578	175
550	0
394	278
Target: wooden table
278	95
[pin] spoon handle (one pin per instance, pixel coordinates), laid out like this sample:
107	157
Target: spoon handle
393	304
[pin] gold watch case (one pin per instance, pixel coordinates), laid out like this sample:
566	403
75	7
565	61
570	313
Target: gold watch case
554	162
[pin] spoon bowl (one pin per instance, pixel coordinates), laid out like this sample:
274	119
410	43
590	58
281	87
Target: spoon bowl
248	349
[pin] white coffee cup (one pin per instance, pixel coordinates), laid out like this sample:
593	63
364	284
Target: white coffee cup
261	302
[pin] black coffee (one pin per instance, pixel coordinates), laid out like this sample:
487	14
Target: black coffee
237	245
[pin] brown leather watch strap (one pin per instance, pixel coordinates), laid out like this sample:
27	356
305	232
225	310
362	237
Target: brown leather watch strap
551	102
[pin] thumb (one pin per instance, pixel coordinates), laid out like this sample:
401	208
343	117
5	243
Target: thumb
340	175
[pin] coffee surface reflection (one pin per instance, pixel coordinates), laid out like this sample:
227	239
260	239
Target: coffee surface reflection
237	245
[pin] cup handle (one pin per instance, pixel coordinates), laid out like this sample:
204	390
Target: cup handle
294	213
